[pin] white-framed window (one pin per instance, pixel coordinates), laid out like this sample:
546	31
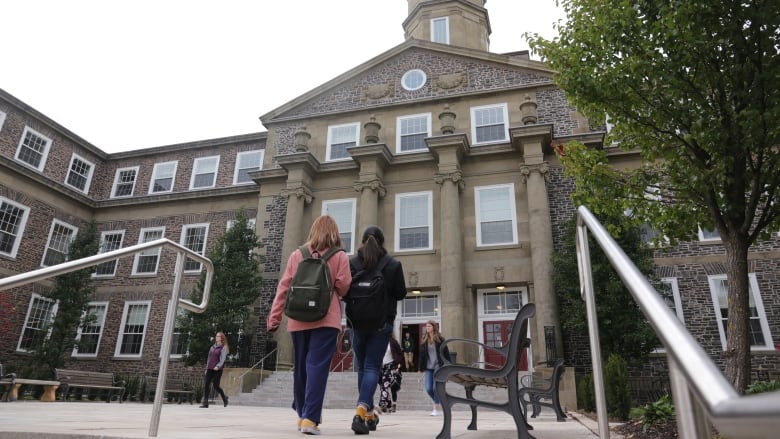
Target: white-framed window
146	261
13	220
670	293
2	120
109	241
80	173
340	137
204	172
411	132
496	217
163	177
502	302
40	313
420	307
91	330
33	149
440	30
708	235
413	79
193	236
60	236
124	182
180	341
133	329
246	162
343	212
414	221
489	124
759	334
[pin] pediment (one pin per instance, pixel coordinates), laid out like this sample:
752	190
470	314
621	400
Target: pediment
450	72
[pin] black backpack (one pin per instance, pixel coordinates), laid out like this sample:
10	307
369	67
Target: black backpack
308	299
367	297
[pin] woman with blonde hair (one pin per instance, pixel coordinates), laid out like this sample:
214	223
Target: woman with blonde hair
215	362
432	358
314	343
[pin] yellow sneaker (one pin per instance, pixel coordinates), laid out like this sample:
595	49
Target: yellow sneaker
309	427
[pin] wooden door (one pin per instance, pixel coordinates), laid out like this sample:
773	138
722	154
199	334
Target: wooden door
496	333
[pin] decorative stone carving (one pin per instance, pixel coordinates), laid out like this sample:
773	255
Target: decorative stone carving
528	110
377	91
301	141
453	176
447	119
299	192
372	130
375	185
451	80
542	168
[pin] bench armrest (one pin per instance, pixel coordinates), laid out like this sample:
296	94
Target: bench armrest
469	341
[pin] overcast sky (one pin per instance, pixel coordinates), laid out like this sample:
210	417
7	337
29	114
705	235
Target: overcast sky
126	75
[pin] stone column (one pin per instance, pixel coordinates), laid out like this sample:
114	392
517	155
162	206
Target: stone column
373	159
370	192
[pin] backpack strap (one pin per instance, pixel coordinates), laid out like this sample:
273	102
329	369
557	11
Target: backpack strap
331	252
305	251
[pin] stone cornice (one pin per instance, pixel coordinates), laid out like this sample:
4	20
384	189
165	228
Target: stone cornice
530	133
305	160
459	141
373	151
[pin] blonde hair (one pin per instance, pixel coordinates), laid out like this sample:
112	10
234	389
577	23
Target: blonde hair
435	335
324	234
225	344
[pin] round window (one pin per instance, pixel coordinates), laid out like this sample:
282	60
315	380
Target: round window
413	79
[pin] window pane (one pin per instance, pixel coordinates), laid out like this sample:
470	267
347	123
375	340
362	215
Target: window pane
133	331
10	220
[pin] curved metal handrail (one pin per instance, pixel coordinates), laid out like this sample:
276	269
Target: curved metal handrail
260	362
698	386
181	252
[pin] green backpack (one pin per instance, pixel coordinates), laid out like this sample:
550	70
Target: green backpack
308	299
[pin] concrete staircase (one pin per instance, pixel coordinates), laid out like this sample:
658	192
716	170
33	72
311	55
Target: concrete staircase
341	392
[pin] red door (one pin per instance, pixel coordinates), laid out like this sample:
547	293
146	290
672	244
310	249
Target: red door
496	334
342	359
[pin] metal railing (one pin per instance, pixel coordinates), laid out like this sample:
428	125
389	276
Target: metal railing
181	252
702	395
261	363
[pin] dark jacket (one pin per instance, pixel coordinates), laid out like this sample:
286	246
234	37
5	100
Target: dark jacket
441	356
394	281
398	355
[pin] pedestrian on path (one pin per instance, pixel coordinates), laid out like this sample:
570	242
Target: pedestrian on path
390	383
432	358
215	362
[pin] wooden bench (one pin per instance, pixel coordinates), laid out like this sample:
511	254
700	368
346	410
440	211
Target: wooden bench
173	386
71	379
12	383
534	389
470	377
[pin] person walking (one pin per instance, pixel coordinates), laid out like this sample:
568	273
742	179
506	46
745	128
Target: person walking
369	345
432	358
215	362
314	343
390	383
409	346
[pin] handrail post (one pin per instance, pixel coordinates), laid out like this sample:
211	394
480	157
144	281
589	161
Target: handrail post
691	421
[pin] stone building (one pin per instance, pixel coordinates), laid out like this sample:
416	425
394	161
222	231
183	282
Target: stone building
440	142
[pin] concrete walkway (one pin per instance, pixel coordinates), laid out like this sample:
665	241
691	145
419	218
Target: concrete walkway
35	420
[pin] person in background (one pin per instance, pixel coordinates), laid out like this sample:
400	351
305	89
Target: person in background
369	346
390	383
432	358
409	347
314	343
215	362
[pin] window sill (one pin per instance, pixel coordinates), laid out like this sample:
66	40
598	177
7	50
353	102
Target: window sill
519	245
415	252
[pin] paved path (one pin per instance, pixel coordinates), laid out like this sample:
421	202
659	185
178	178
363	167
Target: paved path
88	420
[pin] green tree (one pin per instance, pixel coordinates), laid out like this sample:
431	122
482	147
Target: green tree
623	329
236	285
693	88
72	293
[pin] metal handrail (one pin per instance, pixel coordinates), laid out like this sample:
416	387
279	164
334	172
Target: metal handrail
181	252
350	353
261	362
701	393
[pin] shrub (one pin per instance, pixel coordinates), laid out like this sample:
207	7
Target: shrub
653	413
763	386
586	398
616	387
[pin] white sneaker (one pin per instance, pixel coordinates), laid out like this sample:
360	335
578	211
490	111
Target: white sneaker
435	413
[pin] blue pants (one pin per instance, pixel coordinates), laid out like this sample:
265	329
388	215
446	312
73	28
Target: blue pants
430	386
314	349
369	348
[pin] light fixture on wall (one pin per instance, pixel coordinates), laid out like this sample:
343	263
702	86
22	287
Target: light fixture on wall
498	275
413	283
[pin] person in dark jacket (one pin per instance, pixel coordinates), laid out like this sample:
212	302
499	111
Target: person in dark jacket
390	383
215	362
431	358
369	346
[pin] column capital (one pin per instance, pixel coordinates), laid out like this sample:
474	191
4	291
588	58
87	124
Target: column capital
542	168
301	192
453	176
375	185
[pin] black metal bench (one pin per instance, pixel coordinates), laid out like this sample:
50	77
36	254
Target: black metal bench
534	389
12	383
174	386
70	379
470	377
